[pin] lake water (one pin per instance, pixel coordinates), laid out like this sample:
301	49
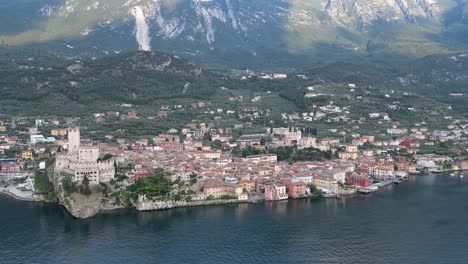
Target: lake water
424	220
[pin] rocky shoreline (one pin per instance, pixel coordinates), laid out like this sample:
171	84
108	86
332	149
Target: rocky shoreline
147	205
82	207
142	204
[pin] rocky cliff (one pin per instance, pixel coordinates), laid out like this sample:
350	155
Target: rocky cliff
365	13
144	204
81	211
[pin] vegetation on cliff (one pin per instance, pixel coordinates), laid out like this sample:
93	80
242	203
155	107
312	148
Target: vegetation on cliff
44	186
156	187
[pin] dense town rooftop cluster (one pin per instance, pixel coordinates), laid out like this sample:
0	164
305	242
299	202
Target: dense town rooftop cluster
210	162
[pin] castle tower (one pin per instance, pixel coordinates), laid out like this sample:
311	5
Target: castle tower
73	139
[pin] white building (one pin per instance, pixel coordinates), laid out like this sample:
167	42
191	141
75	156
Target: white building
307	142
36	139
307	179
337	174
397	131
380	173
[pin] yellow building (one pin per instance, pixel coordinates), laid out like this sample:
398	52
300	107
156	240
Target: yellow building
326	183
351	148
245	185
348	155
3	128
267	158
59	132
218	189
208	154
27	155
385	165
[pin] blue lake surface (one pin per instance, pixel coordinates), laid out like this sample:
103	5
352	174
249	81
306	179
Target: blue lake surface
424	220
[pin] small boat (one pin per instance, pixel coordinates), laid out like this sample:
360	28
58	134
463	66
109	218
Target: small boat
452	174
461	175
364	190
367	190
397	181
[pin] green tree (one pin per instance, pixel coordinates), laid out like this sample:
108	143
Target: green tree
107	156
84	188
216	144
314	189
236	152
68	185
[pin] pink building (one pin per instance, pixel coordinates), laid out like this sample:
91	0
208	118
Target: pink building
162	114
11	167
201	104
464	165
275	192
297	189
358	180
132	114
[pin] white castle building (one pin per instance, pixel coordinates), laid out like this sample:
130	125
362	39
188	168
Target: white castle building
81	161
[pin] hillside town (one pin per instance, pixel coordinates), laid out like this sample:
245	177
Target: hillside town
203	162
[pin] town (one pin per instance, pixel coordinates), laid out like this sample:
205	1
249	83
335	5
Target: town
203	164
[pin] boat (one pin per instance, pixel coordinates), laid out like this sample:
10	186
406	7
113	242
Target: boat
380	184
452	174
401	174
397	181
367	190
364	190
461	175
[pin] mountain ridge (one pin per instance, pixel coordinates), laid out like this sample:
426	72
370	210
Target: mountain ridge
44	84
227	32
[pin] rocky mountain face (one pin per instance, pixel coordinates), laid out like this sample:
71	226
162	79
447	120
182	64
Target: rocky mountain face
236	30
364	12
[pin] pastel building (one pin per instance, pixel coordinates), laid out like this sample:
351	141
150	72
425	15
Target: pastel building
267	158
464	165
218	189
297	190
326	184
275	192
348	155
358	180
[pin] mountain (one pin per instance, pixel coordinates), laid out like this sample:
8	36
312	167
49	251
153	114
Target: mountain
37	83
240	33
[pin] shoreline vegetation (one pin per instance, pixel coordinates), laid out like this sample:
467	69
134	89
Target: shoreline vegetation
156	205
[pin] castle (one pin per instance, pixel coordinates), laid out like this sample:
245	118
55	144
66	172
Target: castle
80	161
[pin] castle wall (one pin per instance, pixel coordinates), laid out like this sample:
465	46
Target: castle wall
82	161
88	154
